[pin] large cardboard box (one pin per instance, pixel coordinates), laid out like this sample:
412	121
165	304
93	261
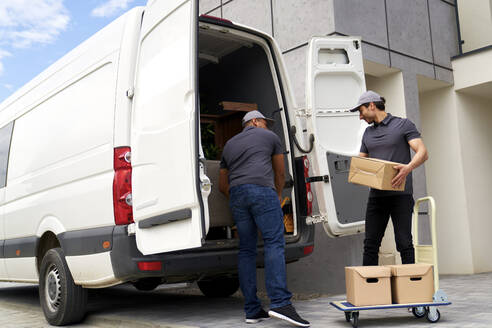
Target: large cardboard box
368	285
372	172
412	283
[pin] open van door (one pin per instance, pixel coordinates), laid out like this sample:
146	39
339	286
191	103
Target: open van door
334	82
167	207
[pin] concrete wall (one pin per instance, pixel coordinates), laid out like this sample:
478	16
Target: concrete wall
476	23
401	40
473	96
460	176
475	117
446	181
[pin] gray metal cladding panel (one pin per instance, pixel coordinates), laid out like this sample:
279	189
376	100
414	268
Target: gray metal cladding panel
205	6
296	21
444	32
408	28
362	18
350	199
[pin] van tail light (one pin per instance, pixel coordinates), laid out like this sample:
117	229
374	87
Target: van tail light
213	19
149	266
122	186
309	194
308	249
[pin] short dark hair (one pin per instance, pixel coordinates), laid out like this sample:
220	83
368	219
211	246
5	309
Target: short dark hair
379	104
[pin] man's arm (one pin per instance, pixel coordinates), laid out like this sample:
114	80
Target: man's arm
279	171
224	181
420	157
363	155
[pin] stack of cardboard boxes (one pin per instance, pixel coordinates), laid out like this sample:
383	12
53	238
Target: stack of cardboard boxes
382	285
392	284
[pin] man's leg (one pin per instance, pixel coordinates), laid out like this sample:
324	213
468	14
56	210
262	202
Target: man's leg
401	215
248	235
377	216
269	219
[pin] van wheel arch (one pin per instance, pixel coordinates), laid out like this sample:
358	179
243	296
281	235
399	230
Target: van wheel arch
47	241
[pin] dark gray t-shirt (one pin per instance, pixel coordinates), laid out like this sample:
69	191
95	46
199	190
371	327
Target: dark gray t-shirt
248	157
388	140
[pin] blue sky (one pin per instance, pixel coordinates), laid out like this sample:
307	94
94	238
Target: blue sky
36	33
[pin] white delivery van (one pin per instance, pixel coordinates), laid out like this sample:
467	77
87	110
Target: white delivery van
109	158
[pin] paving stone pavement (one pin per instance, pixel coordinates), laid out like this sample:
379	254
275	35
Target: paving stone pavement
124	307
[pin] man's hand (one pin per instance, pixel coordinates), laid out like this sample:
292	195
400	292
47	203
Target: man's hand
421	156
403	171
224	182
279	173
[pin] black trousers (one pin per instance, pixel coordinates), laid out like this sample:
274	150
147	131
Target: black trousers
379	209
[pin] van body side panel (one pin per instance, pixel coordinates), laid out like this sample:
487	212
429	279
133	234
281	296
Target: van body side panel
89	277
61	161
3	269
22	269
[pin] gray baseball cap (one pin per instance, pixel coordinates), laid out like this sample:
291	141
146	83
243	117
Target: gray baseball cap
365	98
256	114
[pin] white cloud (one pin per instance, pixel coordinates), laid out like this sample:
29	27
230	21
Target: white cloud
8	86
3	54
110	8
26	22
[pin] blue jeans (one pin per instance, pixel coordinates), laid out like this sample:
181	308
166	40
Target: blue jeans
258	207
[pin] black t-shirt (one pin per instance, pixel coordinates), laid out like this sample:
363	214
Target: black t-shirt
388	140
248	157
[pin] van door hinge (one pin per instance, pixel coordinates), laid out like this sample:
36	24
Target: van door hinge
131	229
130	92
303	112
324	178
313	219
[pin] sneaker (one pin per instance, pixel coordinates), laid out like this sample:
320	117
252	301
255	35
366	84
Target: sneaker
289	314
260	316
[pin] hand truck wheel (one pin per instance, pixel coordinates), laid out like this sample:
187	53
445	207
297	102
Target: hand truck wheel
354	319
433	315
419	311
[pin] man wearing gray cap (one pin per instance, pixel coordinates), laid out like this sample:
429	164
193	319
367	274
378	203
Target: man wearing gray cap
252	175
389	138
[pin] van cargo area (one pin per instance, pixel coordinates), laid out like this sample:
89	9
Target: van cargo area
236	75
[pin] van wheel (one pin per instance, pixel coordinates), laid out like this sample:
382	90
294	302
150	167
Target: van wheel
62	301
147	284
219	287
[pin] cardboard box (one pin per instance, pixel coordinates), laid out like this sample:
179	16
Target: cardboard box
412	283
368	285
372	172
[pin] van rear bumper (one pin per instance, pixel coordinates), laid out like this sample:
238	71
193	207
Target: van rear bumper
190	264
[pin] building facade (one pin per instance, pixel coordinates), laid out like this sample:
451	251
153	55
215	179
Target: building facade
414	58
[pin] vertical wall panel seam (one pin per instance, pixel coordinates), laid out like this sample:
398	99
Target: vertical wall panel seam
271	15
432	43
387	33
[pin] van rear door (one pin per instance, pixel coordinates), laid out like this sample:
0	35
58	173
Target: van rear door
167	207
335	80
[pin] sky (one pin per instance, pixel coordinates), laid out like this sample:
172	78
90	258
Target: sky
36	33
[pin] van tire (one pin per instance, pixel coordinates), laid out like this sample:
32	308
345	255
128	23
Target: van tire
219	287
62	301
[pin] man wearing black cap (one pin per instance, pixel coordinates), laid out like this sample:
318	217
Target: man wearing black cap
389	138
252	175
